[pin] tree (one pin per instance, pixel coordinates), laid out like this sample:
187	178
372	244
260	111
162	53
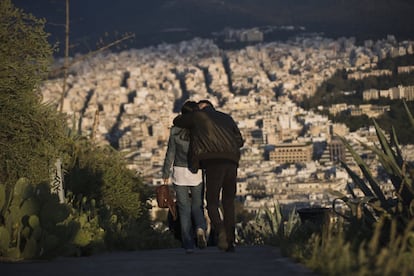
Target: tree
32	133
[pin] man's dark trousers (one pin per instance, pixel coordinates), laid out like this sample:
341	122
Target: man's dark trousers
221	176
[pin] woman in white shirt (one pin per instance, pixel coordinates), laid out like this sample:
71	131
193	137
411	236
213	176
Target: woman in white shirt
189	186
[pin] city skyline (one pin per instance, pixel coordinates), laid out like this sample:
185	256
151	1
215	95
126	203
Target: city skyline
135	92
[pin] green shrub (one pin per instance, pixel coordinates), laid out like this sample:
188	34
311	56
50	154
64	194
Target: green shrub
32	134
100	172
332	253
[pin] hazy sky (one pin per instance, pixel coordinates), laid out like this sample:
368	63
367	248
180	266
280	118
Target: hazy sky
91	19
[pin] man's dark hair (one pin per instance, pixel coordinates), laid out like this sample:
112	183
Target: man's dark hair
189	106
206	102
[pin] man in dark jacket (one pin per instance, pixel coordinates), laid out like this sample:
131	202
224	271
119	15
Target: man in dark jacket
215	142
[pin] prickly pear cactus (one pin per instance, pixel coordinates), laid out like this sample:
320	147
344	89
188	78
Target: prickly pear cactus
32	223
23	189
4	239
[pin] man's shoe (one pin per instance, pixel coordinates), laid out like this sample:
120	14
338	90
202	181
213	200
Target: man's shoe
201	238
222	240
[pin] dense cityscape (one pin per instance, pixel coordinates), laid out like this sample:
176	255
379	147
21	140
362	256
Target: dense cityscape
291	155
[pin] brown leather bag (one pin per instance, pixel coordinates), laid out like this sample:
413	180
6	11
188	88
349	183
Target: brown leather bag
163	195
165	199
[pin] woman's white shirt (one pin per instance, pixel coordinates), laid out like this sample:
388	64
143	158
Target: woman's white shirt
182	176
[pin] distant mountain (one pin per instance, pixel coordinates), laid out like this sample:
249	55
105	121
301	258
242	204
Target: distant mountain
154	21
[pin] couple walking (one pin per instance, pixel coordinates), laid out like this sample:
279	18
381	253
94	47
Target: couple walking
204	140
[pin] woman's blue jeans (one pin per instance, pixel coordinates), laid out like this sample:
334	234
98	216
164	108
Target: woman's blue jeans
190	202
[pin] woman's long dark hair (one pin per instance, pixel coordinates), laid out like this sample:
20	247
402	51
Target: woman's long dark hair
188	106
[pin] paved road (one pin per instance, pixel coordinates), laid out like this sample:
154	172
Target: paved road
247	260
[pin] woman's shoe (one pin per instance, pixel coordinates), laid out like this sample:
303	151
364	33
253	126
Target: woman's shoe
201	238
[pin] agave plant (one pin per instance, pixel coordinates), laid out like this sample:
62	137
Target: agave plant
270	225
375	204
